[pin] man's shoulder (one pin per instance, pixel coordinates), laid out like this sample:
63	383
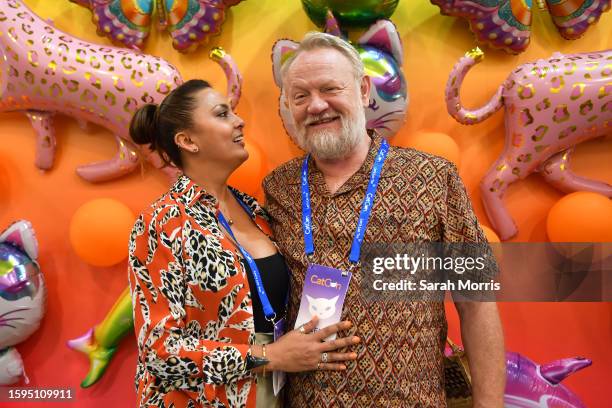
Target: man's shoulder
407	157
286	173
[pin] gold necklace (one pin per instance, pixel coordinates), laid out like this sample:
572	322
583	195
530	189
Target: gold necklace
226	215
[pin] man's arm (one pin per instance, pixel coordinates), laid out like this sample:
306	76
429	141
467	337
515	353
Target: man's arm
483	339
481	329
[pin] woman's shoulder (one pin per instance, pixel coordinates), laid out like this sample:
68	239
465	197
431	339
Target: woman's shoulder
163	208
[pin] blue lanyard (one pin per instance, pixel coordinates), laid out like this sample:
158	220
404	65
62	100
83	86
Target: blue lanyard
265	302
366	206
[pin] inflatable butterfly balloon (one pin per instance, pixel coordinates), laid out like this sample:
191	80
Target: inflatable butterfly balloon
22	296
506	24
44	71
189	22
380	49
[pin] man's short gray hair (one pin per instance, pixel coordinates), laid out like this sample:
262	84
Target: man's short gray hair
315	40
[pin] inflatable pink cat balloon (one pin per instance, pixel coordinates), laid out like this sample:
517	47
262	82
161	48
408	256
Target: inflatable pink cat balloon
44	71
551	105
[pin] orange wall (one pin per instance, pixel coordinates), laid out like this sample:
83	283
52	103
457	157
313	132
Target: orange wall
80	295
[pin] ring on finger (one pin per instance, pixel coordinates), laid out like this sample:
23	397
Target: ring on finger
302	330
324	357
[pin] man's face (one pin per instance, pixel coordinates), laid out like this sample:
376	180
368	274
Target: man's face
326	102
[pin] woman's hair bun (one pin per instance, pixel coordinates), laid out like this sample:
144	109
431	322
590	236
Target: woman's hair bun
143	127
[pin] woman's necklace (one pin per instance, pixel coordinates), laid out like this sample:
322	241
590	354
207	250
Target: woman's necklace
226	215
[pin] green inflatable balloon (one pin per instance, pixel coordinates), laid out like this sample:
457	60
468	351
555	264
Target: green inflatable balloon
349	13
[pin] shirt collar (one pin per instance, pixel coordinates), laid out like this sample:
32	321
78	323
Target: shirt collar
189	192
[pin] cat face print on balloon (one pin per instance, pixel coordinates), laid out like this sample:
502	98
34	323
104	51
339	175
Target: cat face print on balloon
22	296
380	49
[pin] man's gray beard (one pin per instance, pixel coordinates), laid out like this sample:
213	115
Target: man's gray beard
327	144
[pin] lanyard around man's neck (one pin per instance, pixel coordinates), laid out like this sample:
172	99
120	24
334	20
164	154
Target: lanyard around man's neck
366	206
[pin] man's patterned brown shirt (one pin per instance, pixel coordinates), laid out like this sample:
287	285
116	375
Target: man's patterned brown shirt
420	198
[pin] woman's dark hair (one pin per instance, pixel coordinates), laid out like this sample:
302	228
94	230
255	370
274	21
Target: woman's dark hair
156	125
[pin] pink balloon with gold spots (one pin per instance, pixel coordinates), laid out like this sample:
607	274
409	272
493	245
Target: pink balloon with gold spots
44	71
551	105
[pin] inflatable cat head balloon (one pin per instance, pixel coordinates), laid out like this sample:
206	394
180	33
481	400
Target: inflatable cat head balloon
22	296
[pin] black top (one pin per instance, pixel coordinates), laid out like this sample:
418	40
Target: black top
275	278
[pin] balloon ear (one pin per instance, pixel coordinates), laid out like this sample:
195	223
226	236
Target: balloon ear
281	50
21	234
383	35
331	25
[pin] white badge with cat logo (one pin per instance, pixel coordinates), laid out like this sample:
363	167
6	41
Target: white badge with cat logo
323	295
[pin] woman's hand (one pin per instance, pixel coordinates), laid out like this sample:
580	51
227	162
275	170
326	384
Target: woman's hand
302	350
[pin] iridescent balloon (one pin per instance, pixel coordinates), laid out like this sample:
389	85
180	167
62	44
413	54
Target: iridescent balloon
22	296
18	274
350	13
389	96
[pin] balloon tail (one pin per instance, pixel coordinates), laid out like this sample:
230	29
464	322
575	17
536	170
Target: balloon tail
99	357
558	370
232	74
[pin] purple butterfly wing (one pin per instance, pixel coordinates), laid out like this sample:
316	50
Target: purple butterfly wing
573	17
502	24
123	21
193	22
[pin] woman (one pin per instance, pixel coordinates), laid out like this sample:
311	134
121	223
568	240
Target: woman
197	313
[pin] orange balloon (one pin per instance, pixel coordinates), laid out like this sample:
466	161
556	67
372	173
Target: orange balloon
100	231
436	143
247	178
580	217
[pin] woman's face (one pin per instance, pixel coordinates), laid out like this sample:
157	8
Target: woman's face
216	131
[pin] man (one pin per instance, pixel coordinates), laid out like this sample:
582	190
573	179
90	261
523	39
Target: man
419	198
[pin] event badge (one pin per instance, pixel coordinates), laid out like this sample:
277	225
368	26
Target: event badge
323	295
279	378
